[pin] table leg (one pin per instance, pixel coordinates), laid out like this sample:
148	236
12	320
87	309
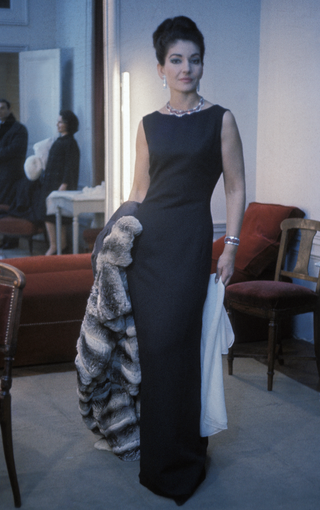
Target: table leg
75	230
58	230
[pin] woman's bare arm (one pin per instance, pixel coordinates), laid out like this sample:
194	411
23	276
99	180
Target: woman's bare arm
234	183
141	179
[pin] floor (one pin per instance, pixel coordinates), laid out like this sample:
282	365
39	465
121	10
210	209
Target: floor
39	248
40	245
297	364
267	459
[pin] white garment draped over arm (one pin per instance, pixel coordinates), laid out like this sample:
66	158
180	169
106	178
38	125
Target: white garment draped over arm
217	336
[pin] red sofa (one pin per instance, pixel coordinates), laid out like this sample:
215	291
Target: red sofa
53	306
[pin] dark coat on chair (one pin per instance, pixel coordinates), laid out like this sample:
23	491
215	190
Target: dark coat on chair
13	149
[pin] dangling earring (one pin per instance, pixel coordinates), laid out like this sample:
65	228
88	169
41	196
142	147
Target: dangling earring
198	87
164	82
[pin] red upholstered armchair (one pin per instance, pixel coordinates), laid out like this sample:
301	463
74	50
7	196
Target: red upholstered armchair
259	241
256	257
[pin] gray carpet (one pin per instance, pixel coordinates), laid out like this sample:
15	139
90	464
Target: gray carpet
269	458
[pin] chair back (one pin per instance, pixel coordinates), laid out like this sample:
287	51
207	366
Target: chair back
12	282
308	230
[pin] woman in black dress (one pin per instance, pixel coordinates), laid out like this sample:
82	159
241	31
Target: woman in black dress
182	149
61	173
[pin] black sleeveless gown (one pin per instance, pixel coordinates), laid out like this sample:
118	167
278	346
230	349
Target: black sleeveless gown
168	282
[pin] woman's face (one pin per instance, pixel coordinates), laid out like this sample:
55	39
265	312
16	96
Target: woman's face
182	68
62	126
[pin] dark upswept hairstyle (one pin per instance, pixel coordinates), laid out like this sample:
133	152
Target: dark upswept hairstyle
174	29
7	103
71	120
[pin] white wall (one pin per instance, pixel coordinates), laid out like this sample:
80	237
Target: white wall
231	31
288	155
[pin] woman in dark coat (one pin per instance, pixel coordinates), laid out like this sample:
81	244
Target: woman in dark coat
62	173
13	149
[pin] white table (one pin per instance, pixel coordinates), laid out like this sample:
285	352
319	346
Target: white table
72	204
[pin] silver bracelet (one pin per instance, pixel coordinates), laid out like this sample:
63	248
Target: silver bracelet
235	241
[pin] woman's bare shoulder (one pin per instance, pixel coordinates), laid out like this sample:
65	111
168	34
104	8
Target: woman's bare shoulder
229	125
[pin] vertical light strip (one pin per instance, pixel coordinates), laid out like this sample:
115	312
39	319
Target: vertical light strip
125	117
116	103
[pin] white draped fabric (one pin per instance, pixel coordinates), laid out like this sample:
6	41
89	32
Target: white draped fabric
217	337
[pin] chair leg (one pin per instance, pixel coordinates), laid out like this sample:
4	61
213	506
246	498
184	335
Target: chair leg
230	360
316	337
6	429
272	341
280	354
30	241
279	350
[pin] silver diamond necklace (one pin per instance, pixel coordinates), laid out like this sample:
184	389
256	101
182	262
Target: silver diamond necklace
180	113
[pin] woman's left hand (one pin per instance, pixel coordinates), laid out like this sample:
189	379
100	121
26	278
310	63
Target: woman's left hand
225	266
63	187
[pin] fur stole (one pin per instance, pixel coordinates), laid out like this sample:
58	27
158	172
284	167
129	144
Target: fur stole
108	359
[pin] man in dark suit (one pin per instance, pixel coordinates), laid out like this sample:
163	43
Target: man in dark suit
13	149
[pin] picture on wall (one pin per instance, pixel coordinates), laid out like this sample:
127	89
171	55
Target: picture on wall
5	4
13	12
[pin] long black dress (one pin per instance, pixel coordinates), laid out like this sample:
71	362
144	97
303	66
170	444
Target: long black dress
62	168
168	281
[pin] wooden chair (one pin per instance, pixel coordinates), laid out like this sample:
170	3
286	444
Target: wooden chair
274	300
12	282
11	226
89	236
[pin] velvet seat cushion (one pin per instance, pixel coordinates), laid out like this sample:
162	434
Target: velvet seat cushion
259	238
18	226
271	295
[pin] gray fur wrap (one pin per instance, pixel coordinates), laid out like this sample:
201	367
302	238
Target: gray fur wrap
107	362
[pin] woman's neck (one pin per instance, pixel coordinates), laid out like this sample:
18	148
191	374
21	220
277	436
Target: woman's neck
184	101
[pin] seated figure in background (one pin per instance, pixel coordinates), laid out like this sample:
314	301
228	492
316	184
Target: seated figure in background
61	173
